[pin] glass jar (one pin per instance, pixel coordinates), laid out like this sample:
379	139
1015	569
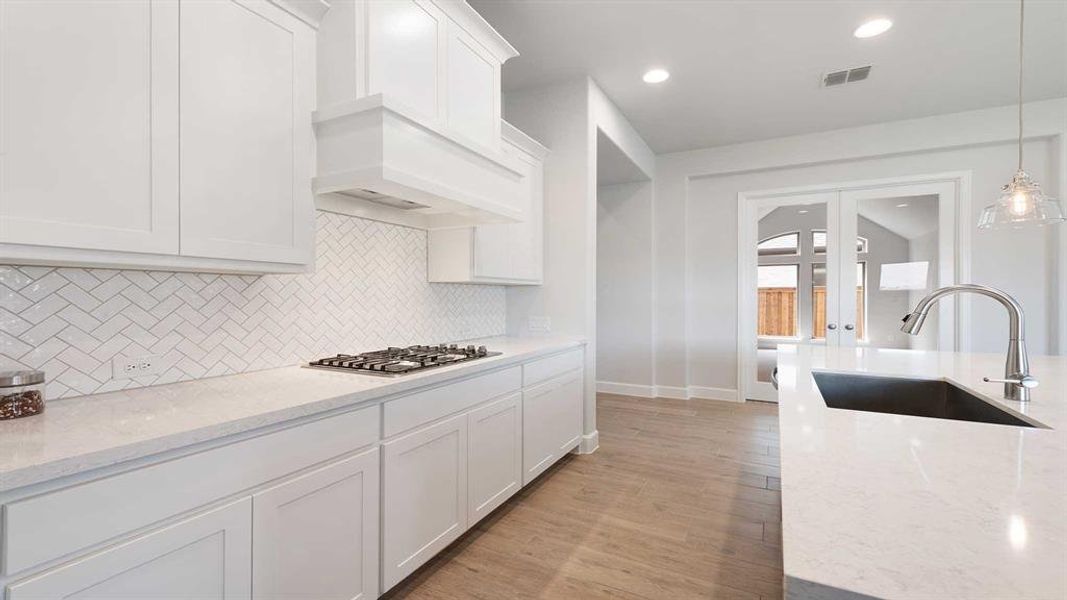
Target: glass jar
21	394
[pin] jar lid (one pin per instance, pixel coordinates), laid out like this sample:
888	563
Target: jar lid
15	378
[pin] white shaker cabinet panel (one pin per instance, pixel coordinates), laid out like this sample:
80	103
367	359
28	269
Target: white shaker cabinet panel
316	536
506	253
425	492
207	557
88	124
552	422
495	455
473	78
247	93
403	53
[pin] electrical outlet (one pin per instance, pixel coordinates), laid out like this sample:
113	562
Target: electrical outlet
128	367
539	324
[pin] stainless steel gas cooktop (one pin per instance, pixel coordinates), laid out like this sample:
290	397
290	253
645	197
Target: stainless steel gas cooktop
401	361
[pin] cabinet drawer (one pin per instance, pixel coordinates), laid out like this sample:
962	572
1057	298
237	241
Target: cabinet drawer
547	368
422	407
45	527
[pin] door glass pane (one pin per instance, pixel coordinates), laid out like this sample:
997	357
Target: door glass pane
818	304
778	300
785	256
897	252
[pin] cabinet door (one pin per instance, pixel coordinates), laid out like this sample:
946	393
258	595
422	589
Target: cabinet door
403	53
493	251
88	124
551	422
512	251
205	557
316	536
247	149
424	501
473	98
495	455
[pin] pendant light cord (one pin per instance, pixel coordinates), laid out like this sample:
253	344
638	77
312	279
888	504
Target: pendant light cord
1022	5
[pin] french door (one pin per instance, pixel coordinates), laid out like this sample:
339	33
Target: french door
841	267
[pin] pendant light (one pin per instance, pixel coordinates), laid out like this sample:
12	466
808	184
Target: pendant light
1021	202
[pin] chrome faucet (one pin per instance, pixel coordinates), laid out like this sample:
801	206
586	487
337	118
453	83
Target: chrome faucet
1017	379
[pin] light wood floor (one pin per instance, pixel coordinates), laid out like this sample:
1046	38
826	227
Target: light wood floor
680	501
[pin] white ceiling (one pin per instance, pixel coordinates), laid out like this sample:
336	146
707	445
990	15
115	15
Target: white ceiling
743	71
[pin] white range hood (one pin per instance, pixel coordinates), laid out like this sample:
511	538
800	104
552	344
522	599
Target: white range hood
377	159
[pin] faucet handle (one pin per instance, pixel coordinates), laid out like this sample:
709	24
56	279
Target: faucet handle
1025	381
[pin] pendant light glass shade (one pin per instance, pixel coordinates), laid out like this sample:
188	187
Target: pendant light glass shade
1021	203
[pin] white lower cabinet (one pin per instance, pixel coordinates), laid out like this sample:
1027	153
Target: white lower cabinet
320	510
316	536
206	557
552	422
425	496
494	465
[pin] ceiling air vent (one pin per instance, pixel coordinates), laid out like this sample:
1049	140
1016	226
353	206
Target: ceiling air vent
846	76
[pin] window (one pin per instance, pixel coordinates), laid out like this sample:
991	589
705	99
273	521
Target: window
818	242
786	244
818	300
777	300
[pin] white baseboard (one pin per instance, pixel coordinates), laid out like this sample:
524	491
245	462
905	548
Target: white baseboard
590	442
667	391
712	393
625	389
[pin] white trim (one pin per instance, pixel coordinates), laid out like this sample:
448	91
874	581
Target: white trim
589	444
692	392
747	234
625	389
712	393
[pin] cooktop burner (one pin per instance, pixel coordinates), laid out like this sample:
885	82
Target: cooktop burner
400	361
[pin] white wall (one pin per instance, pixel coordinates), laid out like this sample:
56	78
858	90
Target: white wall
566	118
624	293
695	204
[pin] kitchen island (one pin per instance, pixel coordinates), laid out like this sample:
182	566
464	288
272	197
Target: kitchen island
895	506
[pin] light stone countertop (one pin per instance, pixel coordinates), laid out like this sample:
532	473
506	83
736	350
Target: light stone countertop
888	506
79	434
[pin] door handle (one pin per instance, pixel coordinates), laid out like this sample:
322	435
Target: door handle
849	327
831	326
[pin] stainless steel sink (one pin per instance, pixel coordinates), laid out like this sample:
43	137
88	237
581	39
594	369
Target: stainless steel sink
916	397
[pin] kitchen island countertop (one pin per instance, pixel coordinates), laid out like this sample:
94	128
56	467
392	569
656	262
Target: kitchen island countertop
889	506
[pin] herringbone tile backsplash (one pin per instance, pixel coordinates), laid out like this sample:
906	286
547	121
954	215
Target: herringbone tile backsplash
368	291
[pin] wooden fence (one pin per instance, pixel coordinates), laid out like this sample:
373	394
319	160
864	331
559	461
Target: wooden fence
778	312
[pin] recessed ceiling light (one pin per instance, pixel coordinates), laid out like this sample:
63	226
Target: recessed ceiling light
802	212
656	76
872	28
902	205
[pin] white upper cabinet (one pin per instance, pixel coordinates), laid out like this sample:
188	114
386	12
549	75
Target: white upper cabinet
89	124
409	114
507	253
247	93
158	134
473	89
403	53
